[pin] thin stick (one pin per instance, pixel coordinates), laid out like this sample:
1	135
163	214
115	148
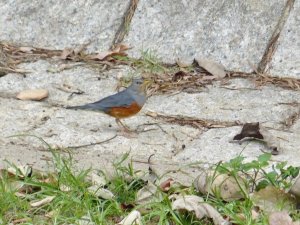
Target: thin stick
92	144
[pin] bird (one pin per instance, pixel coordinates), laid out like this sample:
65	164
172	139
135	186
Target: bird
121	105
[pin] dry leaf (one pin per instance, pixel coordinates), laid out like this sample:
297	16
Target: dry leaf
193	203
64	188
26	49
119	50
21	221
166	185
35	94
295	189
20	171
85	220
66	53
270	199
254	131
183	64
52	214
133	218
178	76
217	70
42	202
101	192
220	185
280	218
152	114
99	180
146	194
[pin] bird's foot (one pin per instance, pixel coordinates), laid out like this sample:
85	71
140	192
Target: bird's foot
125	132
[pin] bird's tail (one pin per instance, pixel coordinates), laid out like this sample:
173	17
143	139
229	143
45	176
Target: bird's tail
78	107
85	107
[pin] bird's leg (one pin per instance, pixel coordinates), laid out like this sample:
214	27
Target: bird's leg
126	129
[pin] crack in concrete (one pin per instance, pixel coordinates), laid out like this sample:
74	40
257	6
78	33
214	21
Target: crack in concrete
273	42
124	27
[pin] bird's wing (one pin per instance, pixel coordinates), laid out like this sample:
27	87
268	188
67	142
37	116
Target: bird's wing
121	99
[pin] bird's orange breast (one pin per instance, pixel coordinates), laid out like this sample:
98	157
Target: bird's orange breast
123	112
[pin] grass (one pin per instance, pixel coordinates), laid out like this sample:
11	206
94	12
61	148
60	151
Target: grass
74	203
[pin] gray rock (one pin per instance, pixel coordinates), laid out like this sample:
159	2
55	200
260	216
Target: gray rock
244	104
286	60
60	24
172	144
232	33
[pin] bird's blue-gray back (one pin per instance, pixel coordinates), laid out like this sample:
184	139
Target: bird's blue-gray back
121	99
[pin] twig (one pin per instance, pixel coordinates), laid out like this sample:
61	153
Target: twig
92	144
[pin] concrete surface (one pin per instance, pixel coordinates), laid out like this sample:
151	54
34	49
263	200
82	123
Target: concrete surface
61	24
286	61
227	31
233	33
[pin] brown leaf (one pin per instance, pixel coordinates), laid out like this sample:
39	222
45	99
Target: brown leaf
42	202
295	189
269	198
182	64
216	69
35	94
20	171
133	218
66	53
221	185
249	130
22	220
280	218
193	203
101	192
146	194
178	76
119	50
165	186
254	131
26	49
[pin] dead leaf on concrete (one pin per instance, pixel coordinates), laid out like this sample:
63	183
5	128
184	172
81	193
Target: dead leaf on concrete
216	69
255	131
147	194
26	49
193	203
280	218
64	188
295	189
178	76
42	202
106	55
133	218
67	52
98	179
20	171
271	198
220	185
101	192
85	220
166	185
34	94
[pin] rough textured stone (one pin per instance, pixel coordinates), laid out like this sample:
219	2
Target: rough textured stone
234	33
172	144
60	24
244	103
217	143
286	61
